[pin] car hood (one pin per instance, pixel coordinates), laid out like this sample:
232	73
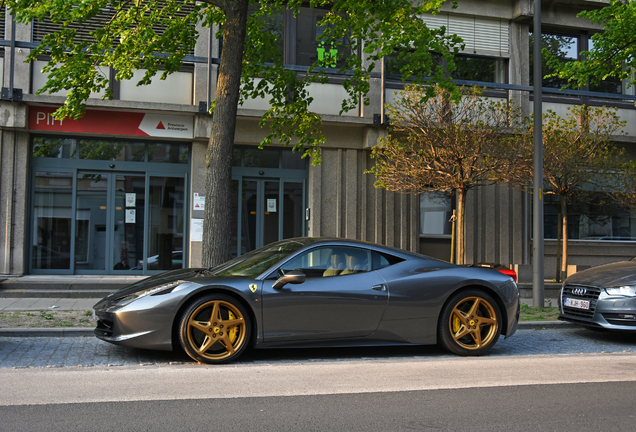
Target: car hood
160	279
609	275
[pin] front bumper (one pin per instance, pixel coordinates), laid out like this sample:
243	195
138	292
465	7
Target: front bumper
145	323
609	312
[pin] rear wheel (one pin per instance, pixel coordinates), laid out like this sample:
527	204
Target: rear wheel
470	323
215	329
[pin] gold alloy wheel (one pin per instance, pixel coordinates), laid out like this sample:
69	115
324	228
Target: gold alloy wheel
473	323
216	330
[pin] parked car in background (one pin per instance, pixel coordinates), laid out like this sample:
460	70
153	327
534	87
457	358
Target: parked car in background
601	297
153	262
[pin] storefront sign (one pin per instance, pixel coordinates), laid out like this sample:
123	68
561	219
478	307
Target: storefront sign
196	230
131	199
114	123
198	202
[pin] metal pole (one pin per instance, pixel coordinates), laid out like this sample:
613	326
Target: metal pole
537	199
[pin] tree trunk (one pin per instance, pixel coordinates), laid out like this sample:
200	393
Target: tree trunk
461	226
564	228
558	275
216	234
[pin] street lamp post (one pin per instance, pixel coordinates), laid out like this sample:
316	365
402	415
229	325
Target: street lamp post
537	196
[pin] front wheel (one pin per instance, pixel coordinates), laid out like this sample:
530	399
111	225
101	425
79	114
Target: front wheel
470	323
215	329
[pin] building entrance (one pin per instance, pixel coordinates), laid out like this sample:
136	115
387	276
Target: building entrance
269	201
98	221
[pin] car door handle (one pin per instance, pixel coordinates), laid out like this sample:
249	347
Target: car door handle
380	287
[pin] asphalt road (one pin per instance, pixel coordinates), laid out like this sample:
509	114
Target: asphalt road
540	379
584	392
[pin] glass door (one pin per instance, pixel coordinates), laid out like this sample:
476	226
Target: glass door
269	210
127	245
91	222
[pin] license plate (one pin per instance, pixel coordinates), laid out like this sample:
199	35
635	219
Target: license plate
577	304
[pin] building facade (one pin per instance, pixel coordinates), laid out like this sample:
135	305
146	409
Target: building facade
121	191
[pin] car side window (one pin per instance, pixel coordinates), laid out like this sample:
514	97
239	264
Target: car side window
381	260
330	261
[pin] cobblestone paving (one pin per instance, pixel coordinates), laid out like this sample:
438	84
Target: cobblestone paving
36	352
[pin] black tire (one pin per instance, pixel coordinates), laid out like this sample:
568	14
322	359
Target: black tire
214	341
470	323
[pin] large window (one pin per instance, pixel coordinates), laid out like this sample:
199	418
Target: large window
590	219
436	209
298	38
567	48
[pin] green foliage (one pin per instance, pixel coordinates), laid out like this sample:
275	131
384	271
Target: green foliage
155	35
580	153
446	145
613	54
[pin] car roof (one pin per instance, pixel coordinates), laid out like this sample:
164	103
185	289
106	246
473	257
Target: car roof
315	241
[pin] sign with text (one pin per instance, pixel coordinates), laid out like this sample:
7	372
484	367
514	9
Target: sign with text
114	123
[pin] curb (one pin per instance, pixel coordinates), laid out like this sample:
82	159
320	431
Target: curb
88	331
47	332
529	325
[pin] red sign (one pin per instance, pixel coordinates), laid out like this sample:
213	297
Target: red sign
114	123
100	122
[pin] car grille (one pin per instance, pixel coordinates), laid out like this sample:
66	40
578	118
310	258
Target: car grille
104	328
591	294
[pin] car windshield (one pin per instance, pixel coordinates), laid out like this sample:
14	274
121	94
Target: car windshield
256	262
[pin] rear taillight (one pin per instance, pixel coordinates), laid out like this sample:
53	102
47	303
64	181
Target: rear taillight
508	272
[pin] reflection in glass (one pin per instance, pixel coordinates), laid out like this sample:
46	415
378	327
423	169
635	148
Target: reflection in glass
590	219
51	229
166	223
273	28
271	208
102	150
168	153
128	238
435	213
47	147
610	84
486	69
293	160
253	157
565	48
248	217
310	49
293	209
90	222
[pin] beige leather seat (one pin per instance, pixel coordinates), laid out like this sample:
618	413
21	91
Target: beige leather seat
353	266
337	265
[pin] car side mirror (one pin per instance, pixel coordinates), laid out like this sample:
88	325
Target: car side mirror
292	277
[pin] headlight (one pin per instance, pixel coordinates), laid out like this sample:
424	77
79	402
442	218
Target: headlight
164	289
629	291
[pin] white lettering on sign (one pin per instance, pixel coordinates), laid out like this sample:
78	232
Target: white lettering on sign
50	120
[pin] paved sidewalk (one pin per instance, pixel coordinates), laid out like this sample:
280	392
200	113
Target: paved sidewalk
61	304
84	304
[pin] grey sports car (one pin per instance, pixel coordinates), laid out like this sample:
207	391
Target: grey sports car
601	297
313	292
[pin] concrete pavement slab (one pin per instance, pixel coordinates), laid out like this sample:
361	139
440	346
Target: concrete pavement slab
22	304
6	302
62	304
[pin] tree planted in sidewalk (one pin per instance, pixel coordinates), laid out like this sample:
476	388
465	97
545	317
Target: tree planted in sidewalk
156	35
447	144
581	163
